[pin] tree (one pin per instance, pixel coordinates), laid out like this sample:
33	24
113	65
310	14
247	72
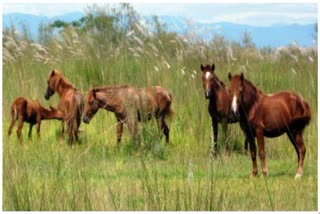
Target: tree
247	40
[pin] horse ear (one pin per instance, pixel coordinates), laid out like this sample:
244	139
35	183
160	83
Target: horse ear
241	76
201	66
94	93
52	73
212	68
229	76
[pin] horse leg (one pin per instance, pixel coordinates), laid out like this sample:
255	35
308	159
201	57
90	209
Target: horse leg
119	132
13	120
62	130
38	128
297	141
253	152
246	143
225	129
20	125
262	153
30	131
214	143
163	127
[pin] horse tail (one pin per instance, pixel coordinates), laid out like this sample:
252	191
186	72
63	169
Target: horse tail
301	122
73	117
169	111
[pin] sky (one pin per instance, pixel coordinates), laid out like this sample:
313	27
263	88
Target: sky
265	14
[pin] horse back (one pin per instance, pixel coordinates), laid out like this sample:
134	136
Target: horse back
280	111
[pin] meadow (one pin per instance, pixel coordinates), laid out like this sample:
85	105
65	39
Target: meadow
46	174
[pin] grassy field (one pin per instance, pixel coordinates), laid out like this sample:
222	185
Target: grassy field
45	174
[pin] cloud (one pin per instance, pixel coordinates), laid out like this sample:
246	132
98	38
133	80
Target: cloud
49	9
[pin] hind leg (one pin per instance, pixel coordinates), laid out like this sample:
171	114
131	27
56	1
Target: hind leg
297	141
20	126
13	120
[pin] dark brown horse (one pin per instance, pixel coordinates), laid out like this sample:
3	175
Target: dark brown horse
219	103
31	112
271	116
130	105
71	102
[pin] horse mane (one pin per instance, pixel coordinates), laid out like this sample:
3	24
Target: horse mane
250	94
219	81
108	92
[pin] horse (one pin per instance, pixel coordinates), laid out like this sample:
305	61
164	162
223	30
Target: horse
269	115
70	103
219	103
130	105
32	112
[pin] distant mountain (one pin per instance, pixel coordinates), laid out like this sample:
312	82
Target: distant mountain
273	36
32	21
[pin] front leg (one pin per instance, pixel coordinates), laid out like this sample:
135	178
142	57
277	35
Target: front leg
253	152
214	142
30	131
262	153
119	132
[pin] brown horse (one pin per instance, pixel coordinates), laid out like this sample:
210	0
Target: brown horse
219	103
130	105
271	116
31	112
71	102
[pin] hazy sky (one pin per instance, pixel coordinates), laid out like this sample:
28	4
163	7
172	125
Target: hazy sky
252	14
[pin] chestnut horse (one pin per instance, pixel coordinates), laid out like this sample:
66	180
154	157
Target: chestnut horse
31	112
71	102
271	116
219	103
130	105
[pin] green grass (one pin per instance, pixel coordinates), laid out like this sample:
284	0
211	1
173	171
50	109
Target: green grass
46	174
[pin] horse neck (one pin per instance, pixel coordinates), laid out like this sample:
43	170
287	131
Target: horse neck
47	114
63	87
251	95
216	87
106	97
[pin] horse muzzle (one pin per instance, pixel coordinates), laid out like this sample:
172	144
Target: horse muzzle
46	96
86	119
207	94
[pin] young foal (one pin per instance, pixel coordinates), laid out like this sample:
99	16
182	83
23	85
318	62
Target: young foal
71	102
130	105
31	112
219	102
271	116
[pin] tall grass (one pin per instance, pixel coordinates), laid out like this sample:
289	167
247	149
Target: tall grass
45	174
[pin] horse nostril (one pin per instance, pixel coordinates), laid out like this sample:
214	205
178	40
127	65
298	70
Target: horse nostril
207	94
85	119
46	96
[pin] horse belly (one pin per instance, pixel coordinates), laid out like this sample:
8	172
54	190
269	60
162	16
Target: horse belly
274	133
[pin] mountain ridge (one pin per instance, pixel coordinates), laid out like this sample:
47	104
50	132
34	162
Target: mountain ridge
263	36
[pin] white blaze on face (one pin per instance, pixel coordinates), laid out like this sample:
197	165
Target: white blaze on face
207	78
234	104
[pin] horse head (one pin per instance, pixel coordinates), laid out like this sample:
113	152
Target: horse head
91	106
208	79
53	80
236	92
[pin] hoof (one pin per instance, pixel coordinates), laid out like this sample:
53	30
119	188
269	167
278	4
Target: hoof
298	176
